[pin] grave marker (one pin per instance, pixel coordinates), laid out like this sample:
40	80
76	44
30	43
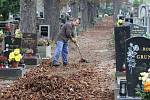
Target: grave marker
137	30
11	43
30	42
137	61
121	34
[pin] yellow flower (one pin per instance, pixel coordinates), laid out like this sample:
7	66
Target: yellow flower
18	33
18	57
15	55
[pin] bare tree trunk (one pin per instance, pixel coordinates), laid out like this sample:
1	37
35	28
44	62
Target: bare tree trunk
74	9
52	14
28	16
84	14
115	8
90	14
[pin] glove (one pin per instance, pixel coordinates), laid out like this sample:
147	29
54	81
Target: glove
74	40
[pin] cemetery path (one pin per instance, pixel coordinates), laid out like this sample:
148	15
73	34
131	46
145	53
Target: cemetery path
85	81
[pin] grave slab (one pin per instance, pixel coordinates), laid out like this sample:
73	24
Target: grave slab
11	73
31	61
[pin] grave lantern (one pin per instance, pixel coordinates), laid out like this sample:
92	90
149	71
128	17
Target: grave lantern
123	88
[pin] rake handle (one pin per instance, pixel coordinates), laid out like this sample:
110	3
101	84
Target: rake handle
79	50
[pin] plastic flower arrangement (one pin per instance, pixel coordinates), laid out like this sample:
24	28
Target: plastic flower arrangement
144	91
15	56
44	42
18	33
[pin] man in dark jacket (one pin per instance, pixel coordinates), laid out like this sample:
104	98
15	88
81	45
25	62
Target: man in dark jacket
66	34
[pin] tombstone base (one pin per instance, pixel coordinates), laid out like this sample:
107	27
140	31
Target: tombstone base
128	98
117	97
31	60
11	73
119	77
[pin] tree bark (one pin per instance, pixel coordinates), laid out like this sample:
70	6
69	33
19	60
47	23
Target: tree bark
84	14
28	16
74	9
116	6
52	14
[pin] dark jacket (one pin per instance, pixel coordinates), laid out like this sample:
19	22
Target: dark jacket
66	32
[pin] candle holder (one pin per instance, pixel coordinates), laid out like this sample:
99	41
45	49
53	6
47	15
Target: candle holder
123	88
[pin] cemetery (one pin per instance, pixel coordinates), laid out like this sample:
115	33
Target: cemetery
132	55
113	37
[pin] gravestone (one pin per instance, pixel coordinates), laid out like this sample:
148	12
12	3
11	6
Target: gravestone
137	61
137	30
29	41
121	34
44	31
11	43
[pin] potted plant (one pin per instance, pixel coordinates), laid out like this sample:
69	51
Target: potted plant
29	53
14	58
44	47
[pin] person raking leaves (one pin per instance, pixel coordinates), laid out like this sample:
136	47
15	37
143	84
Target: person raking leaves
66	34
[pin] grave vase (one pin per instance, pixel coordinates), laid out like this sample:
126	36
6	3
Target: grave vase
44	51
14	64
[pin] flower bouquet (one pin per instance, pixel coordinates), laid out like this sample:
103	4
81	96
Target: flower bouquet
18	33
44	42
14	58
144	90
29	52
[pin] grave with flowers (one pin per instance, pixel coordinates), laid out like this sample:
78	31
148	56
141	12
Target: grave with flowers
135	85
12	67
29	46
137	61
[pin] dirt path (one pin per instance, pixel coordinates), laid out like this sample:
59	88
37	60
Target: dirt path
85	81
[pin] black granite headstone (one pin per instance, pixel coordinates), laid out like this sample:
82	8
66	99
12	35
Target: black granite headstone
29	41
137	30
44	31
11	43
121	34
137	61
